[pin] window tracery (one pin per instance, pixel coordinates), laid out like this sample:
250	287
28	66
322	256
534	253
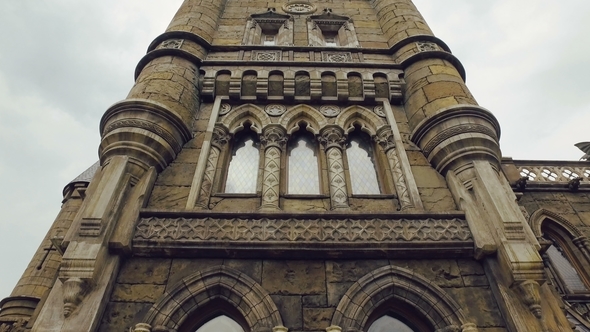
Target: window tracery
303	175
242	173
361	164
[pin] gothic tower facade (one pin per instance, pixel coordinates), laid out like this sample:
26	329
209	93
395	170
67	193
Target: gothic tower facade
305	166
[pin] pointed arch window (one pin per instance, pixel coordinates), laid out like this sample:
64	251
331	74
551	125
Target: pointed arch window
242	173
221	324
361	165
387	323
303	175
565	261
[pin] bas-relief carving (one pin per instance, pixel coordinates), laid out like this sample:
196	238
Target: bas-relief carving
275	109
224	108
336	56
315	230
218	140
267	55
385	139
338	192
172	43
273	139
17	326
426	46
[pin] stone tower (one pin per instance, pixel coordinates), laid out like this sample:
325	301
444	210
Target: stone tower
307	166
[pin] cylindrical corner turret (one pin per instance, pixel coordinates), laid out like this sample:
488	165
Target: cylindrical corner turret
157	118
446	122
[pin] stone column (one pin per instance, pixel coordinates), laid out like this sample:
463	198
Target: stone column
385	138
273	140
333	140
218	141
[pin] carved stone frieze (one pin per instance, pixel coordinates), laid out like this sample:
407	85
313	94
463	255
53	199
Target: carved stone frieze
336	57
289	229
267	55
332	136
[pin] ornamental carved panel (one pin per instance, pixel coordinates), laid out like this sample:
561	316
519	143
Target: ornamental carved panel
292	229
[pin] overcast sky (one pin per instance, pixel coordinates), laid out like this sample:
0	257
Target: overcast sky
63	62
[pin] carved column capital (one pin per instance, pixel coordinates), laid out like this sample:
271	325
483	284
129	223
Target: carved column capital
385	138
220	136
273	136
332	136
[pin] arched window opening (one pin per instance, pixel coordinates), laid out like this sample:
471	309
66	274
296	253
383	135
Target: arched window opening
389	324
303	177
355	85
361	165
275	84
242	173
249	83
396	316
221	324
302	85
222	83
329	88
217	316
565	261
381	86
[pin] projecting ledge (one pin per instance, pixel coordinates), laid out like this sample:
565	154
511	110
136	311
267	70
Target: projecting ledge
331	235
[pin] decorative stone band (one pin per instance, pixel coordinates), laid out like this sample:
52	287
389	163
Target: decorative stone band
143	130
458	135
439	234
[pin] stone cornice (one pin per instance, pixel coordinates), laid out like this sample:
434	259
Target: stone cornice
323	234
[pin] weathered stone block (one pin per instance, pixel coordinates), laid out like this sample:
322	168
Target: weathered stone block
290	309
478	305
144	271
437	199
137	293
167	197
120	316
183	267
445	273
344	271
252	268
294	277
317	318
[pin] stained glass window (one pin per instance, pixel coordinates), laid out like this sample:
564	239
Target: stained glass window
389	324
242	172
221	324
362	170
303	168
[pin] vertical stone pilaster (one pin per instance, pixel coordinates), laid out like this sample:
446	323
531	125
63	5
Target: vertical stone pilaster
218	141
333	140
385	139
273	140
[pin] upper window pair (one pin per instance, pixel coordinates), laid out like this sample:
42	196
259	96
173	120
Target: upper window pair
303	171
327	29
